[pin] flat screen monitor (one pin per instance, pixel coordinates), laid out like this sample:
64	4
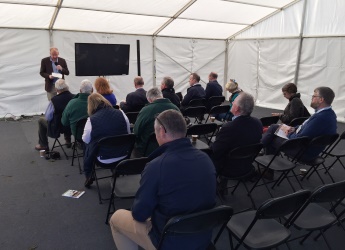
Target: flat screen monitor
96	59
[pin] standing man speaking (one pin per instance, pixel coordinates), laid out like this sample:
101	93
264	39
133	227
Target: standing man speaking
50	65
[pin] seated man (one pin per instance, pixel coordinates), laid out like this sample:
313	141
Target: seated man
167	87
136	100
195	91
76	109
52	122
179	179
213	88
143	126
243	130
322	122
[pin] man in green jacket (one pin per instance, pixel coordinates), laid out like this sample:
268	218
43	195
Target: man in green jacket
76	108
143	126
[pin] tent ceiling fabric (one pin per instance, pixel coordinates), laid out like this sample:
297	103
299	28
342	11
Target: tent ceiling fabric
209	19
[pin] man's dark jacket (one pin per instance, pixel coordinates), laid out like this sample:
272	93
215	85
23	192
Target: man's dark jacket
213	88
47	69
135	101
194	92
169	93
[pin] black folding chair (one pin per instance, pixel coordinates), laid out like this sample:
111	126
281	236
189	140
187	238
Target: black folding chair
132	117
195	223
214	101
195	112
243	153
208	130
197	102
293	150
336	151
258	229
269	120
151	144
314	217
298	121
78	142
123	143
217	110
323	142
126	178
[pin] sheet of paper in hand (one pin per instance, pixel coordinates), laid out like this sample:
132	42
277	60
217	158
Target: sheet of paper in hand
281	131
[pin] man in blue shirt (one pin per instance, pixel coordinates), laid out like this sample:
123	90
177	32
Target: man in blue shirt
179	179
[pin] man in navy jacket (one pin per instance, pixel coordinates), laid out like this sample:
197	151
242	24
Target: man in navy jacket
322	122
195	91
213	88
179	179
136	100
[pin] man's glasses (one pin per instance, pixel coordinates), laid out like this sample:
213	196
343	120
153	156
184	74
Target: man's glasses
160	122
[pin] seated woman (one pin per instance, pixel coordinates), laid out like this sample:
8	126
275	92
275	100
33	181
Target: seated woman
295	107
233	88
102	87
103	121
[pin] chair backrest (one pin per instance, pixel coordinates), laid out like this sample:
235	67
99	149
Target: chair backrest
80	129
282	206
195	111
269	120
321	143
329	192
244	152
197	102
131	166
294	148
214	101
132	116
297	121
202	129
151	144
119	144
197	222
220	109
330	149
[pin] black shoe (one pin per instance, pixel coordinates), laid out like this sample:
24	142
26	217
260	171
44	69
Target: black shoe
88	182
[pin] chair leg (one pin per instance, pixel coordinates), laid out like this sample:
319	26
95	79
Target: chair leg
73	152
305	237
111	202
61	148
99	191
323	236
219	233
238	183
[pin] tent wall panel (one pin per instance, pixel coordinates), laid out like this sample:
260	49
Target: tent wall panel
178	57
323	64
21	86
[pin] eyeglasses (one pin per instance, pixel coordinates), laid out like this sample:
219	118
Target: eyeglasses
160	122
313	96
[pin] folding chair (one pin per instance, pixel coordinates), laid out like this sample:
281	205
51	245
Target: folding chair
78	141
195	112
214	101
196	223
151	144
197	102
336	151
125	143
240	154
258	229
269	120
203	129
217	110
59	145
320	142
293	150
132	117
298	121
312	217
126	178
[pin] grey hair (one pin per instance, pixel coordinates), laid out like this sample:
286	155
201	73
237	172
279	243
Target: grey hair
61	84
169	82
173	122
245	103
86	86
154	93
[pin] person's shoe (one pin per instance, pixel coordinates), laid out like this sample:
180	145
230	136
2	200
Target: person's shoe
88	182
38	147
68	143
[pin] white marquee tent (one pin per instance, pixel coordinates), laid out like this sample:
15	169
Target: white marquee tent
263	44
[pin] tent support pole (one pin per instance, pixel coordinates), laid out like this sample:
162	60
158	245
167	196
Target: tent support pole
226	65
300	43
154	61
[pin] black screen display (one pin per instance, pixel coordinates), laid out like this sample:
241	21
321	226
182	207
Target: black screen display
96	59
